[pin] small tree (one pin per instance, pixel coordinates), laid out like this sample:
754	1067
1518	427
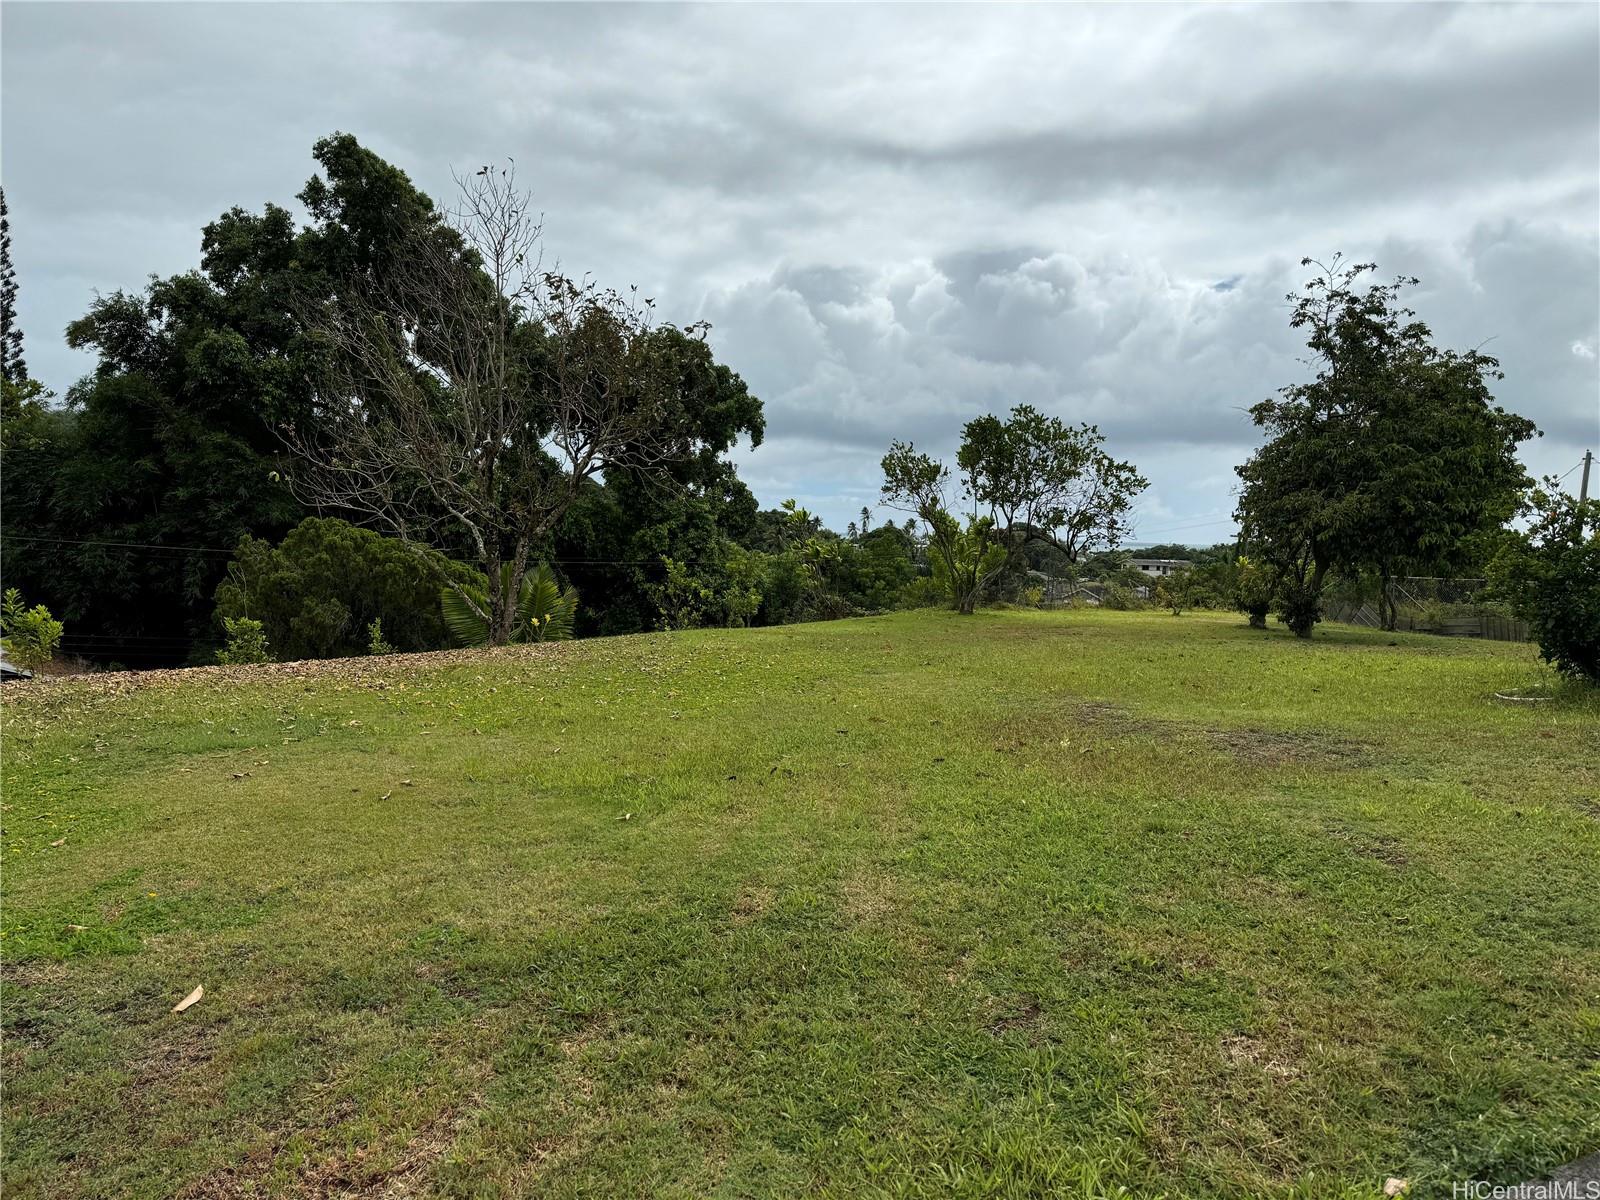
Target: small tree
963	560
1040	479
32	635
1253	589
247	642
1172	592
318	591
1027	478
1551	575
545	611
376	643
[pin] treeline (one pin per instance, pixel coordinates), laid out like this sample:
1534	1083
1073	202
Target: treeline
391	427
441	413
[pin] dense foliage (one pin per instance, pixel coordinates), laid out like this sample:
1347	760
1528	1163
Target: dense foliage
1027	479
1551	575
1387	461
120	506
319	590
31	635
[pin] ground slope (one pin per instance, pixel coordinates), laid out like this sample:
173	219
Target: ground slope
1019	904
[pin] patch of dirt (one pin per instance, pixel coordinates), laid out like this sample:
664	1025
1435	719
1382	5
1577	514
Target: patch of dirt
1114	719
575	1045
752	903
33	974
348	1176
1380	847
1278	747
1024	1014
191	1046
1257	747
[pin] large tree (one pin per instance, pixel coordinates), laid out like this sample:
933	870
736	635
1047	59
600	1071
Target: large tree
1387	461
1027	479
470	394
121	508
695	509
168	453
12	367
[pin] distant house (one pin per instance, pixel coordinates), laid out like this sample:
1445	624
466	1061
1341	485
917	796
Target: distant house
1161	567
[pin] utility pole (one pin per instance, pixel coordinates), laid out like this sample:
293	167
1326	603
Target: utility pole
1583	488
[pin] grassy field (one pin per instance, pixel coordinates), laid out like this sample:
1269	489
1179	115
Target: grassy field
1022	904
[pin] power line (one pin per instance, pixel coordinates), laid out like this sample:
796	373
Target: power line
158	546
29	537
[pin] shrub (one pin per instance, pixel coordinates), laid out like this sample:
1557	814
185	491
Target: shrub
545	611
317	592
1551	576
32	635
1299	605
247	642
1171	594
1121	597
376	644
1253	587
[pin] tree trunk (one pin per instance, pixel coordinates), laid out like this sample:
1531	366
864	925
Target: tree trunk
1313	600
1387	616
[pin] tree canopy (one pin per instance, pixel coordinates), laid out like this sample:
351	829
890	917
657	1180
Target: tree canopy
1387	459
1028	478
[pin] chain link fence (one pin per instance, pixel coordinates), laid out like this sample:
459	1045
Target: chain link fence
1458	607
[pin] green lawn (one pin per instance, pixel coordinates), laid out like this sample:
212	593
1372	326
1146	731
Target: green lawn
1022	904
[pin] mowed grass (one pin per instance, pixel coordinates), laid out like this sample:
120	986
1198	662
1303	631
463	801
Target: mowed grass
1072	904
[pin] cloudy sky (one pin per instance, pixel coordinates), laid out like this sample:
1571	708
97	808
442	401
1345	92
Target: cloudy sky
896	217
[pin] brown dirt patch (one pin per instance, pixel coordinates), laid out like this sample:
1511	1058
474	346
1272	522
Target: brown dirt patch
1257	747
1380	847
752	903
1020	1013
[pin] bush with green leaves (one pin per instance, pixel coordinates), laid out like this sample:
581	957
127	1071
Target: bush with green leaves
247	642
1299	600
1254	585
32	635
1551	576
1172	592
1119	597
318	591
377	644
545	610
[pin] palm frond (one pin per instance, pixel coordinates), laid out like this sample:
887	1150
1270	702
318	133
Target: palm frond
545	613
464	609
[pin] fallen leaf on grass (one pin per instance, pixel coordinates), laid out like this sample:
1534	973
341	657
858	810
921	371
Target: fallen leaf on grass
1395	1187
77	928
385	796
241	774
191	999
625	817
59	842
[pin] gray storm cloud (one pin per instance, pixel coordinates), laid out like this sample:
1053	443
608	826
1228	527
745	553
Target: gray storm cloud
896	218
